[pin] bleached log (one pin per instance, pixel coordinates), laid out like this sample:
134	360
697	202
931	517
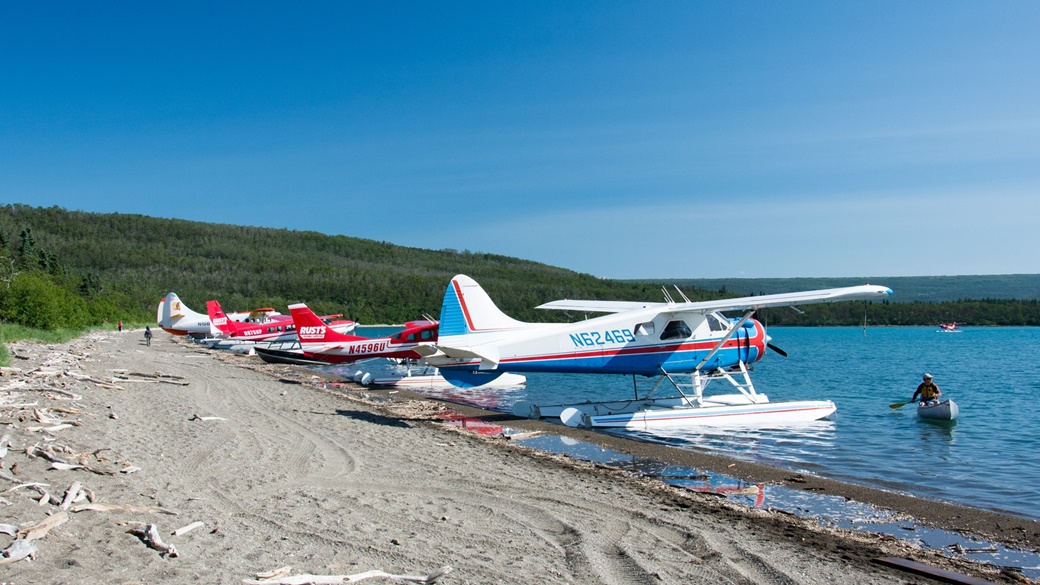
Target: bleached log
99	507
16	551
9	529
279	572
186	529
150	536
67	395
156	375
307	579
71	494
40	529
48	429
66	466
130	469
197	417
108	386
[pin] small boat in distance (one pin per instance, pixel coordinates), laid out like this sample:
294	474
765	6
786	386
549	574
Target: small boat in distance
945	410
950	327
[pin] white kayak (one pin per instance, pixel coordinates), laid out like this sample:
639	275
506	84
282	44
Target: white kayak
945	410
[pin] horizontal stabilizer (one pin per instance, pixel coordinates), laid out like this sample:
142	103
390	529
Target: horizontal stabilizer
488	356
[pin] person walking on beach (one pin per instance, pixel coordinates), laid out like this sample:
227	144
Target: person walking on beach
120	325
929	392
148	336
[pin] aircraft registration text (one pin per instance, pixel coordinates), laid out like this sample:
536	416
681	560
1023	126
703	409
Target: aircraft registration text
593	338
371	347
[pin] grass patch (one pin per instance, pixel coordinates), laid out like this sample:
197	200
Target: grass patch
10	332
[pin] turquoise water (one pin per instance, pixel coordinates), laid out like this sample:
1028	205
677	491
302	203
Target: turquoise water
985	459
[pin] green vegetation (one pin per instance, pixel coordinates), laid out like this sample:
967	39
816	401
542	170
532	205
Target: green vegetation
909	289
70	270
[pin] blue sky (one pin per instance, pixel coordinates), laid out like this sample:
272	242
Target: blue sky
620	139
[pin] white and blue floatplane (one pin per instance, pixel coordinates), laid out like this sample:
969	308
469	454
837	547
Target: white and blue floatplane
666	340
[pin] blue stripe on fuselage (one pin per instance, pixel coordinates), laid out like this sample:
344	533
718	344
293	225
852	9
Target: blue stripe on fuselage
648	362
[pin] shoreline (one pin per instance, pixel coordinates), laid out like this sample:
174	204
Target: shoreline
333	481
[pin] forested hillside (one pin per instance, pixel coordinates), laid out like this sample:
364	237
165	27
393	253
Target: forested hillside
78	269
246	267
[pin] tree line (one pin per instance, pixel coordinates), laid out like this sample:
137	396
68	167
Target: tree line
61	268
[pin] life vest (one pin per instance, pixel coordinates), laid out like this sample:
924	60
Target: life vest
929	390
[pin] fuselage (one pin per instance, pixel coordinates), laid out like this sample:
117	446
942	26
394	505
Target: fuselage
672	343
399	345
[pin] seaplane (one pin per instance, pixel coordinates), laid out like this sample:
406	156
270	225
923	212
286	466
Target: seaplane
317	341
173	316
264	326
670	341
951	327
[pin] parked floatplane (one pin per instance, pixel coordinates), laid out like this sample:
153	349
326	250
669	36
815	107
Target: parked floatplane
669	340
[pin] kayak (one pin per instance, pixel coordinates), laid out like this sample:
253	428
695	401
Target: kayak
945	410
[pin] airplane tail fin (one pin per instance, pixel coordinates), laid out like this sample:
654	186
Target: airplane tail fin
172	315
218	317
468	309
310	328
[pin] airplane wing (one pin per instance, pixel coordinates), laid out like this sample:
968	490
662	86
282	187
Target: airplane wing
829	295
599	306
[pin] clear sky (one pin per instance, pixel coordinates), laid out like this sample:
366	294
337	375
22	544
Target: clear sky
621	139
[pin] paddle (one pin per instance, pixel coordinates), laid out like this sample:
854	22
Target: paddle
899	404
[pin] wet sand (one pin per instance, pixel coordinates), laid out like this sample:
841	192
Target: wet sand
339	481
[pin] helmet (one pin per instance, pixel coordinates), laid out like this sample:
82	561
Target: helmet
927	376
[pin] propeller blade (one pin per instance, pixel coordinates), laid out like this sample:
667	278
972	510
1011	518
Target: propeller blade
776	349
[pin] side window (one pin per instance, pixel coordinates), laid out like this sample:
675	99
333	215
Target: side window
715	324
411	337
644	329
676	330
427	334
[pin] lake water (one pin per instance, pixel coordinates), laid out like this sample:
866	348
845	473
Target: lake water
986	459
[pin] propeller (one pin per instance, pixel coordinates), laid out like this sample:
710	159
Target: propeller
776	349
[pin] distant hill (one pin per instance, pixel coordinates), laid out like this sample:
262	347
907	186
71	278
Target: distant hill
122	264
929	289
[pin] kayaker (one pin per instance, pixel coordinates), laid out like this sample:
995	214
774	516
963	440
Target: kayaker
929	392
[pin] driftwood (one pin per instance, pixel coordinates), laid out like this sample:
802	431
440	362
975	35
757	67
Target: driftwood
150	536
40	529
188	528
18	550
71	495
197	417
98	507
337	579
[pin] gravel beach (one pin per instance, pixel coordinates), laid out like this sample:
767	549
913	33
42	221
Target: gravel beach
285	471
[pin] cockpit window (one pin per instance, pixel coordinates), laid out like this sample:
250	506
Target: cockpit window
676	330
714	323
644	328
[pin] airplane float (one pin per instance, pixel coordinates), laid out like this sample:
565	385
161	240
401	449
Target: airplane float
265	327
478	342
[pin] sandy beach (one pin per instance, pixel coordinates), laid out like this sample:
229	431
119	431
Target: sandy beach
282	472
